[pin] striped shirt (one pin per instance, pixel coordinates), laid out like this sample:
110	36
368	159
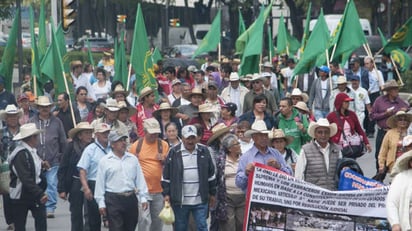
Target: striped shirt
191	194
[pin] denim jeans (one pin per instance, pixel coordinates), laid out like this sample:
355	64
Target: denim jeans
320	114
199	213
51	176
149	220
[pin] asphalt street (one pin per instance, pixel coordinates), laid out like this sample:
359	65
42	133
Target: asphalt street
62	220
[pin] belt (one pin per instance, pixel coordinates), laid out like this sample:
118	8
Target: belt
124	194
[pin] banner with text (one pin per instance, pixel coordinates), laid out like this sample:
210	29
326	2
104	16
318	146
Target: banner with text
276	201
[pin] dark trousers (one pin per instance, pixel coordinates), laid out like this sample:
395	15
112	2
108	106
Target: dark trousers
93	210
378	143
38	211
122	211
367	123
8	209
76	205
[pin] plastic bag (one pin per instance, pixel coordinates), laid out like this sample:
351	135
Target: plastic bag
4	178
167	215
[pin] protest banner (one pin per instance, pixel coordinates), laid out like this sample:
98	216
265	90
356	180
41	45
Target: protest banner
276	201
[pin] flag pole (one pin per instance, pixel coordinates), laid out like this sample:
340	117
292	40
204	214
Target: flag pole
219	52
396	70
70	100
128	76
35	86
333	52
330	74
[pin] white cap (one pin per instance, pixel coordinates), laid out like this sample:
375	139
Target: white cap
189	130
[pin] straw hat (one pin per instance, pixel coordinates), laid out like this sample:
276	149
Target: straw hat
43	101
234	76
119	89
257	76
218	130
322	123
11	109
112	105
79	127
236	61
402	163
390	84
196	91
163	107
391	122
298	92
341	80
27	130
144	92
258	127
302	106
76	63
279	134
123	104
205	108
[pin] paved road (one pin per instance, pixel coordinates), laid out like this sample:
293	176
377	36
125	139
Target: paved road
62	220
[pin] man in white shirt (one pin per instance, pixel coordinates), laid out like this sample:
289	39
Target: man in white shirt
79	79
361	98
235	93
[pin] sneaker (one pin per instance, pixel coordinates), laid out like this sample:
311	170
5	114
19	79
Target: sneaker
10	227
50	215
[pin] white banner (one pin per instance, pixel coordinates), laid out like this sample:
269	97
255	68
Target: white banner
276	201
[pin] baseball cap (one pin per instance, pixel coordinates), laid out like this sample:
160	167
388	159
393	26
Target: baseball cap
324	69
151	125
230	106
101	127
176	81
189	130
355	77
116	135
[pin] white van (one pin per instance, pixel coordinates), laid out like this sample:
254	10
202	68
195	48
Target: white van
332	21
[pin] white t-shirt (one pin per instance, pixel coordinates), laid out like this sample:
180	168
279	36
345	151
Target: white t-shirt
101	92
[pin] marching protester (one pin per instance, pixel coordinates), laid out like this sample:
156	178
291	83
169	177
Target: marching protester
81	104
318	159
259	112
88	169
165	114
68	175
260	152
235	93
189	111
280	141
64	112
145	109
361	99
258	89
320	93
50	148
205	120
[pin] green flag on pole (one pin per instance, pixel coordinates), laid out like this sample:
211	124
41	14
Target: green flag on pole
120	65
7	60
42	43
270	44
212	38
316	46
253	48
402	37
282	41
156	55
398	55
89	53
61	44
242	26
140	57
305	36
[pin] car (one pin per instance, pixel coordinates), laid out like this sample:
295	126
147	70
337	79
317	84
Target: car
97	44
183	51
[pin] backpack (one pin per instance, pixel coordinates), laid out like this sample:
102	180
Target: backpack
140	143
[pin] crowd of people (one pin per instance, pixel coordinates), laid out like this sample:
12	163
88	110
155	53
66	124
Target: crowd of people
118	155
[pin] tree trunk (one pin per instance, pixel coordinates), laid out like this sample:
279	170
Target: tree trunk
296	18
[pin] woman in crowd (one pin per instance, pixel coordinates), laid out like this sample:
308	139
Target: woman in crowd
259	112
133	96
81	103
392	147
101	88
228	114
24	101
172	134
230	199
166	114
304	111
350	131
398	200
97	111
124	114
69	185
204	119
279	141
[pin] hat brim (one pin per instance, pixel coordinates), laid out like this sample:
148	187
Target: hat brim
193	94
110	108
3	114
390	87
288	139
125	93
218	134
172	113
391	122
249	133
401	164
145	94
131	110
306	109
19	136
73	132
333	129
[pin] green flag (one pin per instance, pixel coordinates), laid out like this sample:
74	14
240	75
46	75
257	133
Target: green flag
271	48
402	59
140	57
402	37
245	36
35	60
305	36
282	41
42	43
120	64
89	53
52	66
350	35
383	39
293	43
7	61
156	55
212	38
61	43
242	26
253	48
316	46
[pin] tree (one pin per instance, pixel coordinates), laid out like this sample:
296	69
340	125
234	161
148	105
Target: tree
6	9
